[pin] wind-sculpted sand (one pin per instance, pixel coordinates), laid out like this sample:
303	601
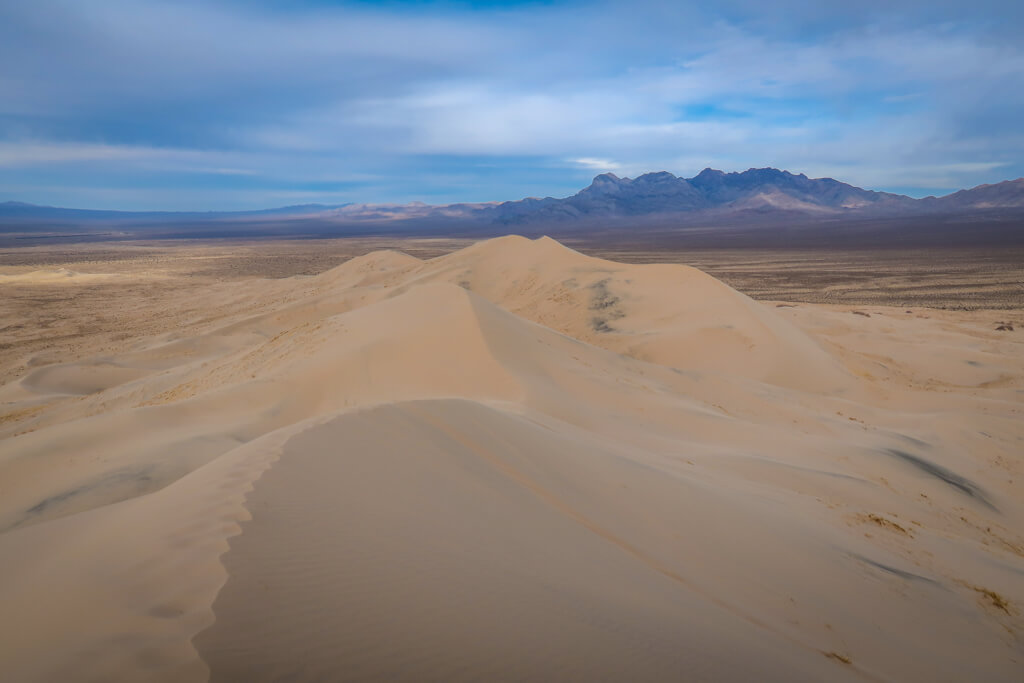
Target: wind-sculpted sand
517	462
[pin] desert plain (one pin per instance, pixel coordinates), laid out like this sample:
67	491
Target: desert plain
514	459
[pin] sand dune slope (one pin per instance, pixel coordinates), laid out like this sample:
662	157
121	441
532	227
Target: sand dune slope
479	595
666	314
516	462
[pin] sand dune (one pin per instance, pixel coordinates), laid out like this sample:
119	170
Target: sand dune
516	462
51	276
667	314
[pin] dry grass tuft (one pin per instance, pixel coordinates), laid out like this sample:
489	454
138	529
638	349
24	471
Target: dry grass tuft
886	524
995	599
838	657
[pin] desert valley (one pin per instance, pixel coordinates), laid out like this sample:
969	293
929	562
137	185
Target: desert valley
505	460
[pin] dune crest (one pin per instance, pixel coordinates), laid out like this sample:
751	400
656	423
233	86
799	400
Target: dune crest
516	462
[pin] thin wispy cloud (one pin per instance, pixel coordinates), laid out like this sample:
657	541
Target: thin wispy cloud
599	165
450	102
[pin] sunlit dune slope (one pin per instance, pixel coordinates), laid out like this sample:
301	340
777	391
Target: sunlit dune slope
516	462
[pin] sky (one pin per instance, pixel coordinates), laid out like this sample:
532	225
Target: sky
232	104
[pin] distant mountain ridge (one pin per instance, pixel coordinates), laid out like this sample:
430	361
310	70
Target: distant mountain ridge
758	206
1007	194
757	190
26	210
711	192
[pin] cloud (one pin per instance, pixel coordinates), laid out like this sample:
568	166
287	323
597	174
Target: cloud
446	103
27	153
599	165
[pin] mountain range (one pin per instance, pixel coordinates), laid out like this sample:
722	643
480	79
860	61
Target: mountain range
757	190
713	200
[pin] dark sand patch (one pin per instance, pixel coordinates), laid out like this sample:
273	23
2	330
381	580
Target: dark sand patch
948	476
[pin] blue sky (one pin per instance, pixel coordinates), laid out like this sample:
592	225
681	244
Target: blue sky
144	104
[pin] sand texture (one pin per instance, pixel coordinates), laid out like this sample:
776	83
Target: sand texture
512	462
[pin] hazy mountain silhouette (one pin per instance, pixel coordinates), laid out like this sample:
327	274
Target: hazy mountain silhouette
757	207
1004	195
25	210
758	190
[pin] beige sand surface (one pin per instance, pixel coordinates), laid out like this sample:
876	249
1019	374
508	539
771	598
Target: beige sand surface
55	275
517	462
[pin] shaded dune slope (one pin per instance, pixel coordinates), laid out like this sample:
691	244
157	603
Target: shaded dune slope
512	462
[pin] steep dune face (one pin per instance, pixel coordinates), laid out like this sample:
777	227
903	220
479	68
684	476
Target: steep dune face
666	314
517	462
547	547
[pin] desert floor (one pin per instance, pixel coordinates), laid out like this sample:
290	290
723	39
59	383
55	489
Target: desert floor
436	460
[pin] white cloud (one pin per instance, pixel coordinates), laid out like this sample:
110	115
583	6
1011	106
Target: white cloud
363	93
600	165
32	153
